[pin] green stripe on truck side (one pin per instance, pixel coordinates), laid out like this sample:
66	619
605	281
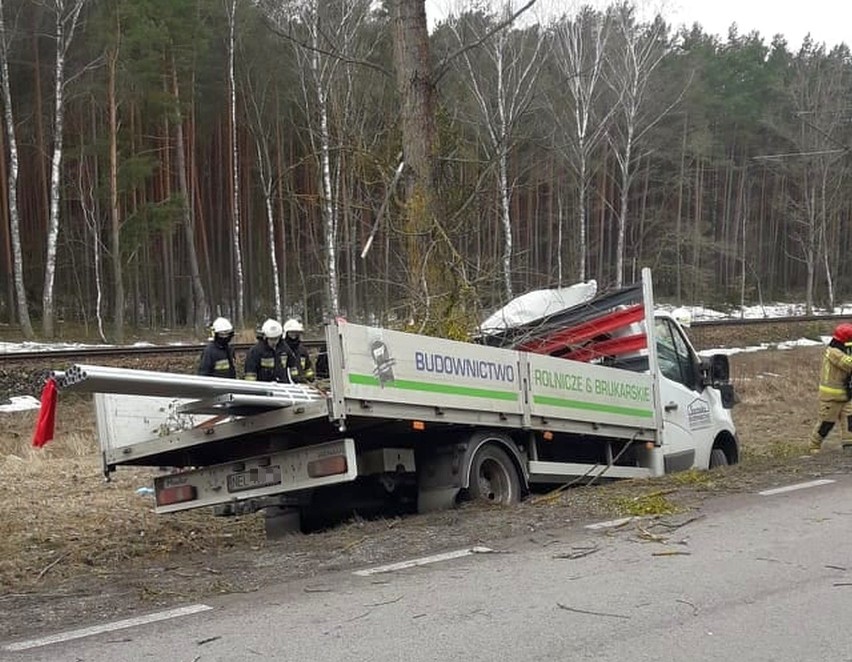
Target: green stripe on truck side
592	406
433	387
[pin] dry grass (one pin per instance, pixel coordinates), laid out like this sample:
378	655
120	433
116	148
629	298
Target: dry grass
778	400
58	515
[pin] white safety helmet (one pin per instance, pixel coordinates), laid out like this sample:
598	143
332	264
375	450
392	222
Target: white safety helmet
223	326
271	329
293	325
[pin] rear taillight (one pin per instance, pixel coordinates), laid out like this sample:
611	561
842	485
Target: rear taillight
327	466
177	494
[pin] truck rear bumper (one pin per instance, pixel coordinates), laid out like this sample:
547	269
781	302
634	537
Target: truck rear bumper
257	477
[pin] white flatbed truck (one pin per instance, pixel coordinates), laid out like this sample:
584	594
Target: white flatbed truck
420	421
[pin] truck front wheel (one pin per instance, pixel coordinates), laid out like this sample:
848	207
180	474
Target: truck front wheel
718	458
493	477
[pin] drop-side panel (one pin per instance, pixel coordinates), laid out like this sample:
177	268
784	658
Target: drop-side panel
392	366
559	388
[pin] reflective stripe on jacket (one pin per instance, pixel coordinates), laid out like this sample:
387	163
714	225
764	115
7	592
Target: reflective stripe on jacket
217	361
265	364
834	375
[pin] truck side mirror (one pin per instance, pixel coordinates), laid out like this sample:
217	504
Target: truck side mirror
717	373
719	369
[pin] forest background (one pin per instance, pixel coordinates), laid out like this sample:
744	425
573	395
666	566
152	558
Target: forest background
168	161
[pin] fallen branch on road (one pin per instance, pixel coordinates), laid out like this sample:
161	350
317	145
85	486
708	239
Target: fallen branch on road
577	553
687	602
677	525
589	612
386	602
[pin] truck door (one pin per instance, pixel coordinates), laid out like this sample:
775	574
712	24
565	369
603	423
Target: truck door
687	418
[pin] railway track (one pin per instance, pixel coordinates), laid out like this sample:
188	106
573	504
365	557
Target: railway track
733	331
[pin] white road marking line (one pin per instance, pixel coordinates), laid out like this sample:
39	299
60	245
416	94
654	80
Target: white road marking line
107	627
797	486
610	524
435	558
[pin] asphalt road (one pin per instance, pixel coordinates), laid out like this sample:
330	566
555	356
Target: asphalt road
755	577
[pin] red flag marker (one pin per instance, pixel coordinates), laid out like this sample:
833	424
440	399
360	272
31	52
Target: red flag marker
46	414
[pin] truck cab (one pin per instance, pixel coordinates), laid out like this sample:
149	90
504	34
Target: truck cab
696	398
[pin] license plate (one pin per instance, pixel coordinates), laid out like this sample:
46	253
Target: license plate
254	478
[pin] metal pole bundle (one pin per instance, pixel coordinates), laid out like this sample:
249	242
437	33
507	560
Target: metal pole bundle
129	381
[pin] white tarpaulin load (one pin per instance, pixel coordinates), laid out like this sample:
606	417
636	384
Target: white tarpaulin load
537	304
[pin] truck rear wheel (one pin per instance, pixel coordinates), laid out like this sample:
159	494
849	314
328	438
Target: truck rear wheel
493	477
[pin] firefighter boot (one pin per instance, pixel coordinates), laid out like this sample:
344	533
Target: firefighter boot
818	435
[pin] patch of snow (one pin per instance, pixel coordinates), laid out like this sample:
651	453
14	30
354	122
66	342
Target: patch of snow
801	342
20	403
29	346
786	344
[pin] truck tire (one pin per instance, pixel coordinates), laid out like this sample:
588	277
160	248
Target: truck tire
493	477
718	458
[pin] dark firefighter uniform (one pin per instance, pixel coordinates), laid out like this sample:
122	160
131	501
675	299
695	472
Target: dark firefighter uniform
834	379
217	359
298	359
265	363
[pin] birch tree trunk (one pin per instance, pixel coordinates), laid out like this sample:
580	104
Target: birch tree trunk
85	190
235	173
328	207
641	49
66	25
5	224
267	184
332	47
502	94
14	216
580	47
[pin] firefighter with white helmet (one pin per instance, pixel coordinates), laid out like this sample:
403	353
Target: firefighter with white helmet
265	361
834	378
217	359
299	366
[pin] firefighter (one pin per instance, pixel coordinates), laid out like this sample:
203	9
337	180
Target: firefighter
264	361
834	381
299	365
217	359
